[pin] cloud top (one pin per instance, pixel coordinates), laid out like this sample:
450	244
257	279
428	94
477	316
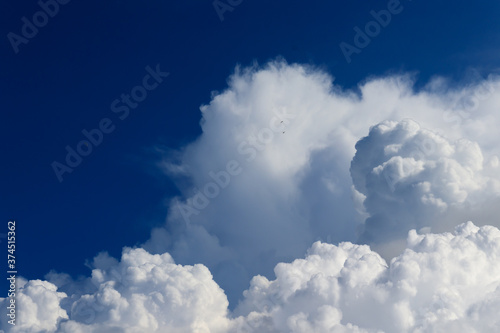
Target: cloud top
412	177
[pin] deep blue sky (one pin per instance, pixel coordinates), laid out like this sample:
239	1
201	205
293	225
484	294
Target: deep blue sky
65	78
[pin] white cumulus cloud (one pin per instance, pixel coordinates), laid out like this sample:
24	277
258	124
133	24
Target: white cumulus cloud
256	191
411	177
379	179
441	282
141	293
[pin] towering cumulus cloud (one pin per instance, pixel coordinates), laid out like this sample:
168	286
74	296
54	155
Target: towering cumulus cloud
270	174
376	185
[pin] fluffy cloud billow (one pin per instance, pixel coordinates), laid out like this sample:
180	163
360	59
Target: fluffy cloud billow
140	293
375	185
411	178
441	282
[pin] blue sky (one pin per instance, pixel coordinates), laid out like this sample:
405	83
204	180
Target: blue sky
64	79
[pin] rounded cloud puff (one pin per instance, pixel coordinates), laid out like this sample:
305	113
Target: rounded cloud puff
146	292
37	307
442	282
410	177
